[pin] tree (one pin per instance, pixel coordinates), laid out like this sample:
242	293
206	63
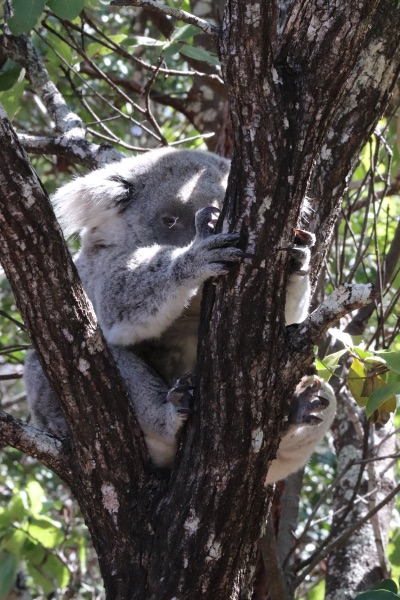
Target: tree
306	85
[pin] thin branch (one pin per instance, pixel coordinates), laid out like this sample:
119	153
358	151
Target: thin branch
391	261
51	451
77	150
344	299
342	538
118	49
23	52
177	13
72	142
9	376
19	324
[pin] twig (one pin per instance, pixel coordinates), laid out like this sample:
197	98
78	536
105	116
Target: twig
177	13
342	538
51	451
118	49
19	324
77	150
9	376
344	299
23	52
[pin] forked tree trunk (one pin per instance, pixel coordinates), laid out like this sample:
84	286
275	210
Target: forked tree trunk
194	534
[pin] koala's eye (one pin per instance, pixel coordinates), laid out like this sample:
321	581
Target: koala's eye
170	221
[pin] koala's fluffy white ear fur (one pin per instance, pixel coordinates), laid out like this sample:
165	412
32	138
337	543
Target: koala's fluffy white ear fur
87	201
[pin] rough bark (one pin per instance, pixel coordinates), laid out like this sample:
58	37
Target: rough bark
103	474
195	533
360	563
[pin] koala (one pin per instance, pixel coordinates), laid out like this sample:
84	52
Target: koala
147	246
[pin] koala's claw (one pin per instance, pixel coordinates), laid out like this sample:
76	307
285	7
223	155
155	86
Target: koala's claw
312	420
303	238
205	221
181	394
306	403
299	251
320	403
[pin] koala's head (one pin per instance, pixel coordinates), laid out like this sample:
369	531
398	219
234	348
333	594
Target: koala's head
144	200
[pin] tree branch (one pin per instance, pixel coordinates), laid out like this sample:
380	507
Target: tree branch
177	13
71	143
45	281
342	538
21	49
343	300
77	150
51	451
359	322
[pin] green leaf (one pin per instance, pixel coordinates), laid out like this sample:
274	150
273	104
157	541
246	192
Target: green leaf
11	100
26	15
66	9
332	360
45	531
392	360
386	584
8	571
171	48
14	542
199	54
10	74
343	337
141	40
17	509
97	49
362	353
394	549
356	381
181	34
323	372
380	396
48	573
35	494
376	595
59	50
327	366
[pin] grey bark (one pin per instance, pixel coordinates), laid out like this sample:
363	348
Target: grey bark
360	563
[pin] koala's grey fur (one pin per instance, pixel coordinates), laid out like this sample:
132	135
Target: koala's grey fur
146	250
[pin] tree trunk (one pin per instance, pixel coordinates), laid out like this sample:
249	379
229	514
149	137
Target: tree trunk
360	563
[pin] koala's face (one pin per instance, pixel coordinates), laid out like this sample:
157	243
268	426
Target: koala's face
160	202
150	199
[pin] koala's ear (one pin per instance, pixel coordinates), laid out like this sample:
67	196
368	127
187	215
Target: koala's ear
89	201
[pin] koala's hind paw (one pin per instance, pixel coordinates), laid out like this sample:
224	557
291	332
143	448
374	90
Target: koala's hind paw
307	402
181	394
299	250
303	238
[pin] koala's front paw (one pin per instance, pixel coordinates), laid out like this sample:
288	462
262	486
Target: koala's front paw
214	255
299	250
181	395
309	401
